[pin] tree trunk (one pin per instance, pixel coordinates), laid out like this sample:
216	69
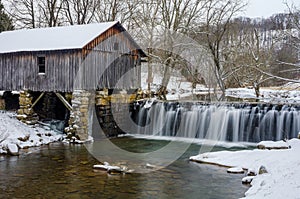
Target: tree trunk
162	90
257	91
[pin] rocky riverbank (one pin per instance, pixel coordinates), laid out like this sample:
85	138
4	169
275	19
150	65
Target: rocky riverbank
15	135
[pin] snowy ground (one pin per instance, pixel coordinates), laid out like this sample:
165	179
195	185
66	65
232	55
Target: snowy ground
15	135
283	167
180	88
274	95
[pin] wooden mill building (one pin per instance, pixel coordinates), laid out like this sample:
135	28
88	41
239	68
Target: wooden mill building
49	59
63	60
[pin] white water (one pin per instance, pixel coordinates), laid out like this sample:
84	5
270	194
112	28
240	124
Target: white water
244	123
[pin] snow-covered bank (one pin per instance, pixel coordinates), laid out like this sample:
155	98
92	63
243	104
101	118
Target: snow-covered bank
283	166
180	88
274	95
14	133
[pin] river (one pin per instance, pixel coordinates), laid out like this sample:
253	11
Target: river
62	170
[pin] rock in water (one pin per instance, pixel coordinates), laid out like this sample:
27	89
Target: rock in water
150	166
109	169
262	170
247	180
12	149
100	167
236	170
251	172
113	170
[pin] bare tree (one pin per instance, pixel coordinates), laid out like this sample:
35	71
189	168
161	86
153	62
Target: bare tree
33	14
51	12
24	13
218	15
173	17
255	58
80	11
116	10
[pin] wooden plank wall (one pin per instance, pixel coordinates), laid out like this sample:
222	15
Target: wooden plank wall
105	66
19	71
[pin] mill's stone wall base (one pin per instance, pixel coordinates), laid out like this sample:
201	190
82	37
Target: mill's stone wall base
26	113
2	103
82	102
113	111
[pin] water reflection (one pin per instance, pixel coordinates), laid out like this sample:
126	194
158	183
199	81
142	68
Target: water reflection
65	171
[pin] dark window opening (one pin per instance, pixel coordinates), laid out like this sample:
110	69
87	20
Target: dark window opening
116	46
42	64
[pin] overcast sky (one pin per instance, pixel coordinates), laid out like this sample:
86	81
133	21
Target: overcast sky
265	8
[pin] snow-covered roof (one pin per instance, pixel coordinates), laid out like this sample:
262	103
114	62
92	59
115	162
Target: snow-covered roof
55	38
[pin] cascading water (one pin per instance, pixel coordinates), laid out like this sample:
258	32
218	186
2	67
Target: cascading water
230	122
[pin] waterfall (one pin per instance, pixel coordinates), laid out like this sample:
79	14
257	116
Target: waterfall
224	122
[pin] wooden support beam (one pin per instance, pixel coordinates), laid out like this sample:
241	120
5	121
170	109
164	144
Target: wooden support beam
64	101
38	99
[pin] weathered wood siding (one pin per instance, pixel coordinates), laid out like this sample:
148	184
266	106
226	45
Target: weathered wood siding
97	65
19	71
107	67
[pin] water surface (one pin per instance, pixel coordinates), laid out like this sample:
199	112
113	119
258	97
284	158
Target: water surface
65	171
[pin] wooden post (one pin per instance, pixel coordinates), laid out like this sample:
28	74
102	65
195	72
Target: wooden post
65	102
38	99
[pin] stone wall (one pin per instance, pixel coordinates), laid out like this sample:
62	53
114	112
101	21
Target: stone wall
2	103
25	113
82	102
113	111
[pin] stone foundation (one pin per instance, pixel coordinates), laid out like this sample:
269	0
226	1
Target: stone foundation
25	113
2	103
113	111
78	122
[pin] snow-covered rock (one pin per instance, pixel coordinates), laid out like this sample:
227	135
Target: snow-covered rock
251	172
110	169
247	179
106	167
273	145
236	170
12	149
